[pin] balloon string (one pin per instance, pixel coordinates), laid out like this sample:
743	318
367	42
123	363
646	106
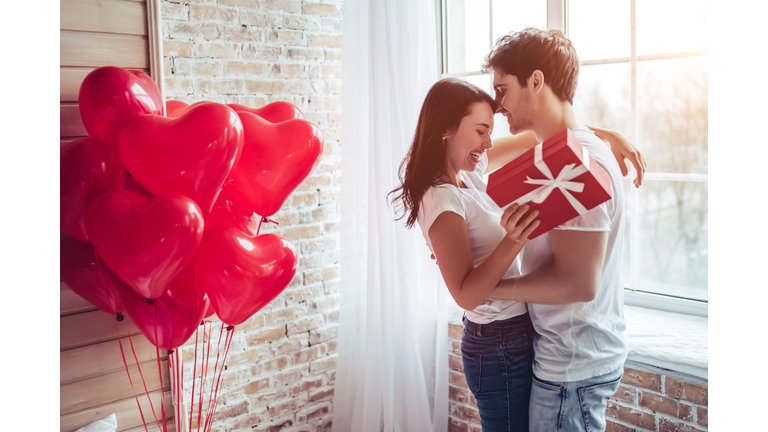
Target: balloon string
162	390
162	393
125	363
203	362
143	381
207	362
215	367
231	329
174	396
262	220
181	381
176	366
230	333
194	370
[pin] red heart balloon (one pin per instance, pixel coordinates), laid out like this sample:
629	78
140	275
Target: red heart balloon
209	312
230	209
191	155
133	186
173	317
111	98
241	273
275	112
277	158
87	168
89	279
175	108
147	244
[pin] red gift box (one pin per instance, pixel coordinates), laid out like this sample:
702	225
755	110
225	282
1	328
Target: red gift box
558	177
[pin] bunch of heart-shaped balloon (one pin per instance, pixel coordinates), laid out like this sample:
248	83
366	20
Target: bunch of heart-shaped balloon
161	212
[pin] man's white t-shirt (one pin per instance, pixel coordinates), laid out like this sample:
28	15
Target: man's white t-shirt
583	340
483	219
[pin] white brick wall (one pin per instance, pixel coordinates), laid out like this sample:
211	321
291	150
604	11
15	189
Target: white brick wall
281	365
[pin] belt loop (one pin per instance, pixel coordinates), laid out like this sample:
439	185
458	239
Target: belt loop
479	330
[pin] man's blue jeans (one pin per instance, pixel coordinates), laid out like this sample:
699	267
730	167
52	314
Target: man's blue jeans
575	406
497	364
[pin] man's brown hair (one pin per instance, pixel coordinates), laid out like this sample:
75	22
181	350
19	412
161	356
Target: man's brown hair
521	53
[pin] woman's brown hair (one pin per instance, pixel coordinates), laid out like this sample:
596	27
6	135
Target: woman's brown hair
447	102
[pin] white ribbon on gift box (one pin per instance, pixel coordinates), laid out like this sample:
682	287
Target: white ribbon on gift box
550	183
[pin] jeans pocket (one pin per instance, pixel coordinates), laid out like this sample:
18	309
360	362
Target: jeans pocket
546	385
473	369
546	405
594	401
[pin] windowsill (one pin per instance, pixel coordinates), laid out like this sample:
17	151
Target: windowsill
684	349
668	340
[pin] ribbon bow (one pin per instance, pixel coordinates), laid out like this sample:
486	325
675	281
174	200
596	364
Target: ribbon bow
550	183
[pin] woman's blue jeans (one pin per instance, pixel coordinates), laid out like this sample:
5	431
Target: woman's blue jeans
497	364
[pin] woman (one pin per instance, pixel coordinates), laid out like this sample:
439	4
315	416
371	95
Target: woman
443	189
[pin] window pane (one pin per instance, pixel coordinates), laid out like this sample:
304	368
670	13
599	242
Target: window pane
665	26
603	97
626	250
482	81
672	114
672	254
500	126
600	29
515	15
468	33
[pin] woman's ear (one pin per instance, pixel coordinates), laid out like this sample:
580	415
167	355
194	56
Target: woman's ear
448	135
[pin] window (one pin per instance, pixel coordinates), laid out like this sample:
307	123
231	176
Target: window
644	73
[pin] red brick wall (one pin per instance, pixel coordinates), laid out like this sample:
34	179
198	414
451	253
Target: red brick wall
647	399
281	366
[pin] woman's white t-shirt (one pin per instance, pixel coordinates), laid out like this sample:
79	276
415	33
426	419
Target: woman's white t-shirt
483	219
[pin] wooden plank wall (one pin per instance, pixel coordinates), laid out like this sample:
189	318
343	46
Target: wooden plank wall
94	382
97	33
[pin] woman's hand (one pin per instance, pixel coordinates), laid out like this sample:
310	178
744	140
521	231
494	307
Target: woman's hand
518	227
623	149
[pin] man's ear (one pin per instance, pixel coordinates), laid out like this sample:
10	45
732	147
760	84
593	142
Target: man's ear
536	81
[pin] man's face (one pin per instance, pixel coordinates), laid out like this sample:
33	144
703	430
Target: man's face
515	102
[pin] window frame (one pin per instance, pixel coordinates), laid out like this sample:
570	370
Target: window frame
557	17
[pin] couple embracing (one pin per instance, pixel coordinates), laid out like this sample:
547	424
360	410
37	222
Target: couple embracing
543	344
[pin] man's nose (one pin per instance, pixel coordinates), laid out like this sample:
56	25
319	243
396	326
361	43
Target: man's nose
501	110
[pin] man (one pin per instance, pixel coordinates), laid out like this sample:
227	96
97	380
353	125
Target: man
571	275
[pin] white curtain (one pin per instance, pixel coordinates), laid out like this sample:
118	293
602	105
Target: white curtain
392	372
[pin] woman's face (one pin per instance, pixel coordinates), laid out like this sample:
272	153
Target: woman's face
471	139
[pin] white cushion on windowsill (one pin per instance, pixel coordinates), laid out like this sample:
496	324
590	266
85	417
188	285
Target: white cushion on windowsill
663	339
668	340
